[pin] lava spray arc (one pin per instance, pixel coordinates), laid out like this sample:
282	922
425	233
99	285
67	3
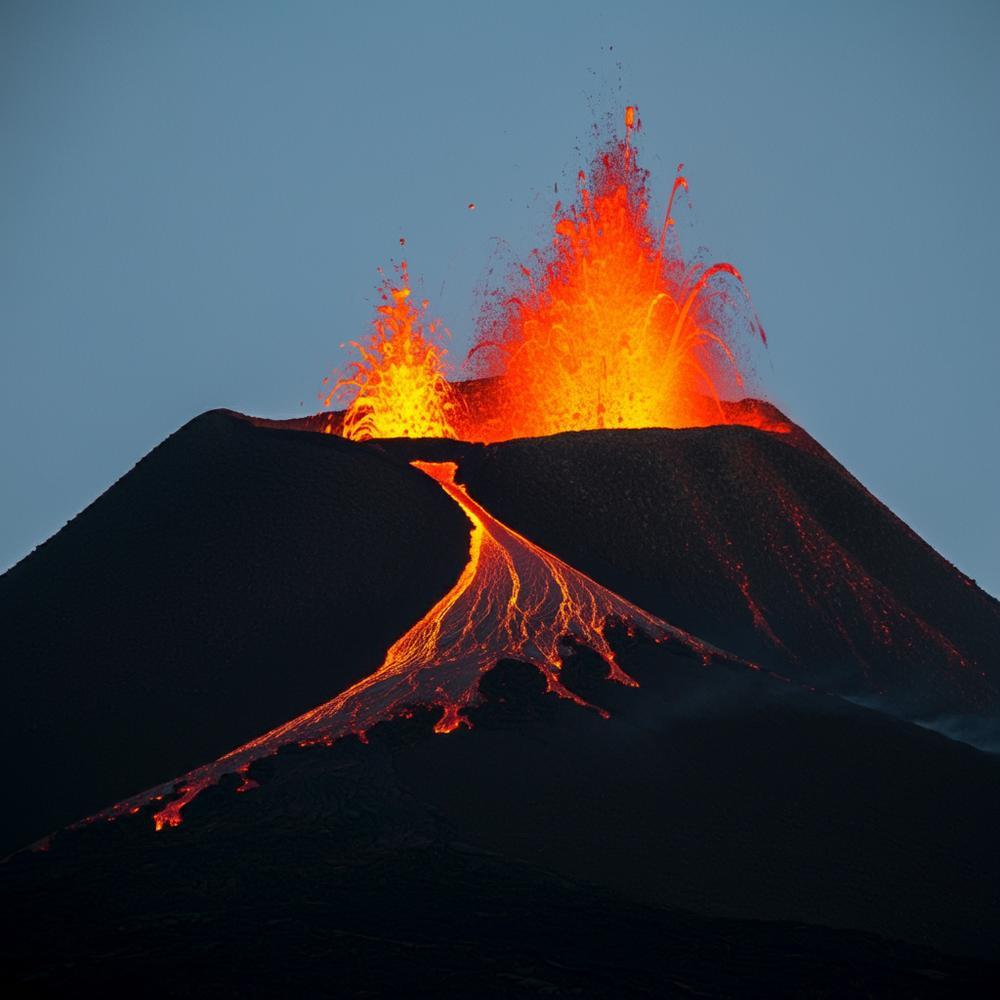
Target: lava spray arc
513	600
607	327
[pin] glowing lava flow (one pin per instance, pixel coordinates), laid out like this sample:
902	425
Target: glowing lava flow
610	327
513	600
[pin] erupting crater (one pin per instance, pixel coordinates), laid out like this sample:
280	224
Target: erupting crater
513	600
609	326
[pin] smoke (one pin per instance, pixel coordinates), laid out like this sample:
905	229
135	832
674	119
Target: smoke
983	734
973	730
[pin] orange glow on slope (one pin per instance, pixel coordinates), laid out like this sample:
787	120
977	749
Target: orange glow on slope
398	388
513	600
610	327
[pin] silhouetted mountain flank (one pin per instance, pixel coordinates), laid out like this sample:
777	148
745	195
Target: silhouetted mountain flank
546	851
721	831
234	578
760	543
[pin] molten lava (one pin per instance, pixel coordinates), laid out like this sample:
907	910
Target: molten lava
513	600
609	327
398	388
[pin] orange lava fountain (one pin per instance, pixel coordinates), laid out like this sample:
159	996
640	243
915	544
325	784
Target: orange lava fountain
609	327
398	388
513	600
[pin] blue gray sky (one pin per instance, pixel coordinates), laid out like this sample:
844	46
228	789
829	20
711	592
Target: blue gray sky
194	199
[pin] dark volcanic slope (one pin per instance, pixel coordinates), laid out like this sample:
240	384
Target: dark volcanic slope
235	577
725	791
543	852
241	574
769	549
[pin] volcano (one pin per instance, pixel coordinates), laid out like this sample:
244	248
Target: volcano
588	674
725	746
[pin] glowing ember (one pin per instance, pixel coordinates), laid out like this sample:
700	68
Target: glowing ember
513	600
398	388
609	327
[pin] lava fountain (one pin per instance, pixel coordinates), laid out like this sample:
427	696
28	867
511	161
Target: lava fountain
398	387
513	600
609	327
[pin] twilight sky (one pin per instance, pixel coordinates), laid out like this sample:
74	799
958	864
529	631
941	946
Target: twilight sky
194	199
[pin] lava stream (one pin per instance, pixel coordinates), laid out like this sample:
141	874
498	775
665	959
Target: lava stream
513	600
